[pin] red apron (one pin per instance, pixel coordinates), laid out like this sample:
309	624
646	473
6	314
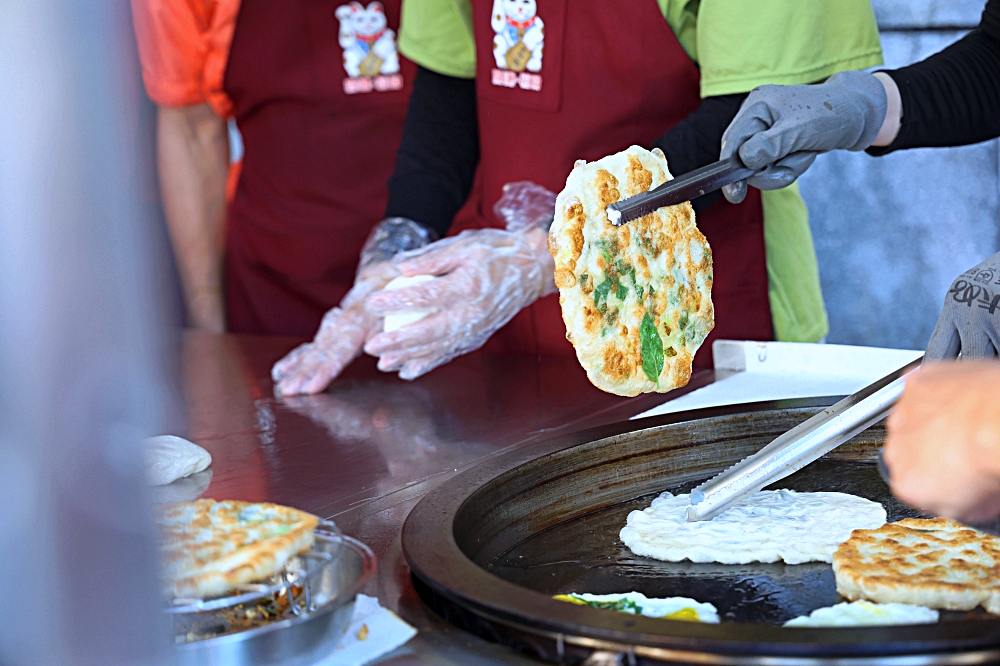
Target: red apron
321	121
597	79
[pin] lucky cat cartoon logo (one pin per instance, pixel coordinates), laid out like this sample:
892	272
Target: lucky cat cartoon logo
518	44
370	56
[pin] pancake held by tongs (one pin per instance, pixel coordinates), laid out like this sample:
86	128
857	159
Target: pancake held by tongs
636	299
799	446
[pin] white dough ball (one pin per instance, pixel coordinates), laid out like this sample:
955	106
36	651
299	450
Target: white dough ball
169	458
400	318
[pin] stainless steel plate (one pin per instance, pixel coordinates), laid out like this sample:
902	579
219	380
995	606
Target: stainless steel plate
297	640
489	547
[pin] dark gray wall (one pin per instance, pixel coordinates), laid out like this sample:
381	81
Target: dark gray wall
892	232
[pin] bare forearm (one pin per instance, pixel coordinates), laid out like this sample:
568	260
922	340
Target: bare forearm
193	160
893	114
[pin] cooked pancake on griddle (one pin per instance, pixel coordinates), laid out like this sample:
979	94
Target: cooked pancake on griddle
636	299
937	563
767	526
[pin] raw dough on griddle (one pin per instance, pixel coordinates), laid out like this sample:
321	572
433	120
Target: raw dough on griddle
169	458
768	526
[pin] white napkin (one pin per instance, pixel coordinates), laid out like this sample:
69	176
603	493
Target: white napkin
782	370
374	632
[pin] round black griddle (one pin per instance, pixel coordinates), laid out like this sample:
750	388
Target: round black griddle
489	547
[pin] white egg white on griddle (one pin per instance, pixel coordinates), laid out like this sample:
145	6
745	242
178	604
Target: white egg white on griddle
865	614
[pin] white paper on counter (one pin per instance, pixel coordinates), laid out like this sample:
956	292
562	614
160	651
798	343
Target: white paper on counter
782	370
382	629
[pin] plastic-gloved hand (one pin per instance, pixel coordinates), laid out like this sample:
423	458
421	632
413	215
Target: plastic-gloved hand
943	442
780	130
525	205
310	367
484	278
969	322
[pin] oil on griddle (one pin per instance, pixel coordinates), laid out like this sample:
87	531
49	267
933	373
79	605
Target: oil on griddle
586	555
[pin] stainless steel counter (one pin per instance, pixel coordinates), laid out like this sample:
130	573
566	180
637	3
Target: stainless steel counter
367	450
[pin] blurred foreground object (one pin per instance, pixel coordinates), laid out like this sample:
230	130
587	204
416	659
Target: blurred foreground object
943	443
83	353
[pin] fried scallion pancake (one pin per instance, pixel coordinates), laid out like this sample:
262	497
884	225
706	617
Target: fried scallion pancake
936	563
212	548
636	299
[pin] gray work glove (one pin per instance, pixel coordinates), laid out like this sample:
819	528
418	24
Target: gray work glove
780	130
969	323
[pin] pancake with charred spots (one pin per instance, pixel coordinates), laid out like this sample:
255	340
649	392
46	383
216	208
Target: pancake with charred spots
938	563
636	299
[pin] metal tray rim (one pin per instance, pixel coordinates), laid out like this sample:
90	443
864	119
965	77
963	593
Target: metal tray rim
369	567
493	594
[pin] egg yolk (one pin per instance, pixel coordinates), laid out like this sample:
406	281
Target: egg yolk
570	599
684	615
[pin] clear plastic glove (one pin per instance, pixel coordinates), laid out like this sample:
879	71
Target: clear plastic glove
780	130
943	442
969	323
525	205
309	368
484	278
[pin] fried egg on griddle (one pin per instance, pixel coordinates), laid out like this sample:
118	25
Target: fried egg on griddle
684	609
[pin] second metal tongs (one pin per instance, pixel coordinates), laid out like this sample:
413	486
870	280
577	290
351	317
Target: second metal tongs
800	446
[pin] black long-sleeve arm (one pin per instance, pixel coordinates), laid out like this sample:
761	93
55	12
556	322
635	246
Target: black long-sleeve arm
439	152
437	158
953	97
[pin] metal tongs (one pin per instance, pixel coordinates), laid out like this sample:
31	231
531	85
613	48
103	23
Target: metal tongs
800	446
678	190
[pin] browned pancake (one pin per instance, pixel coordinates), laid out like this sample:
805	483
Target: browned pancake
936	563
212	548
636	299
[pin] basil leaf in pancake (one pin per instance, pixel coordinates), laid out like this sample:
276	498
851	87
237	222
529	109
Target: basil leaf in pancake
651	348
625	269
601	295
608	248
621	291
